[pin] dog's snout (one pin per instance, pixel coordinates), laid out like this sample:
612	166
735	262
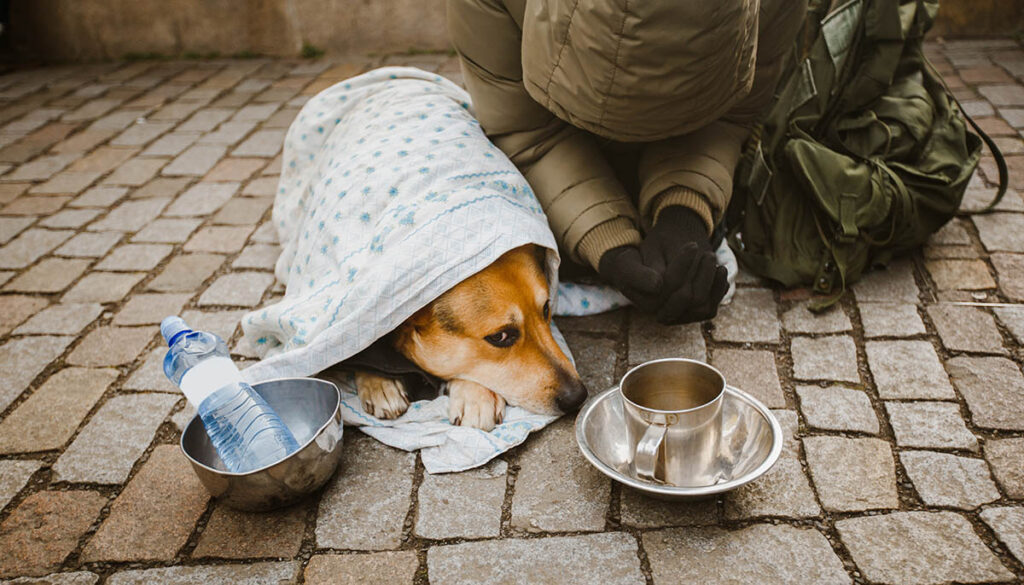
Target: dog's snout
571	394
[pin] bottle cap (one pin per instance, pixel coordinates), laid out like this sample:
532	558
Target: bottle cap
172	327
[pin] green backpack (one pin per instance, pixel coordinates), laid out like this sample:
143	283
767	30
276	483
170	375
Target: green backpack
864	152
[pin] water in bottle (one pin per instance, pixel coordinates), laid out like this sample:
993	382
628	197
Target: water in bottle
244	430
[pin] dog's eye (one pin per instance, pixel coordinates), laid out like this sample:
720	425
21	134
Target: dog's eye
547	310
504	338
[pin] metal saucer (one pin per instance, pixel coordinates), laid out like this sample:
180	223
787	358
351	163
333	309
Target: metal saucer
751	443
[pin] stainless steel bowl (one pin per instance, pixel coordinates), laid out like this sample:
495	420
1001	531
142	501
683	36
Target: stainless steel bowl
751	443
312	410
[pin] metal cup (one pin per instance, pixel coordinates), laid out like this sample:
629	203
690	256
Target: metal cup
673	420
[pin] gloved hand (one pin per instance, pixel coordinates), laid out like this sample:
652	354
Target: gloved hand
693	283
624	269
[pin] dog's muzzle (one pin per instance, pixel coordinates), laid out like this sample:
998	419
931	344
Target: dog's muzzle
571	393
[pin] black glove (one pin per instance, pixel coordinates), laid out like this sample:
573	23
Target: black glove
624	268
693	283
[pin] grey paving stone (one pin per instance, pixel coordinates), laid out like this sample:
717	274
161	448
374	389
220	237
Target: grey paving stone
258	256
111	346
895	284
1013	319
150	308
244	289
177	110
102	196
837	409
113	439
750	317
205	120
1010	268
595	360
222	323
953	274
383	568
267	234
31	246
202	199
265	143
12	226
1006	458
1001	232
229	133
248	211
70	218
195	162
650	340
49	276
167	231
852	475
14	474
266	187
890	320
948	480
68	319
89	245
14	309
76	578
993	388
130	216
355	513
42	168
759	554
255	112
67	182
135	172
557	490
141	134
150	376
640	511
280	573
102	287
908	369
171	144
1008	524
935	425
186	272
21	360
825	358
919	547
753	371
222	239
609	559
966	329
800	320
135	257
462	505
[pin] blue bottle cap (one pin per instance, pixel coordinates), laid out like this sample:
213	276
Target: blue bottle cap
172	327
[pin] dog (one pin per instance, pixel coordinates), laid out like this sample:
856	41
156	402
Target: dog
489	338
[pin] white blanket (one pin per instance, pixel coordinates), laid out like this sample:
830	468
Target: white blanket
390	194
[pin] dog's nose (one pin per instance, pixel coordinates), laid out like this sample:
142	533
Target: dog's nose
571	395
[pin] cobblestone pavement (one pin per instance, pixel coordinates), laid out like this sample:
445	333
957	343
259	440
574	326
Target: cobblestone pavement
131	191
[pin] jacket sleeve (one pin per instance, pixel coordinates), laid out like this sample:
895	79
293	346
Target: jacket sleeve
588	209
696	169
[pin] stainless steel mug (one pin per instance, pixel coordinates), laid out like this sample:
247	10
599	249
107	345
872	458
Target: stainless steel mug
673	417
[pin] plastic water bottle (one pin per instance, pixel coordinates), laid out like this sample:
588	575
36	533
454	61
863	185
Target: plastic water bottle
246	432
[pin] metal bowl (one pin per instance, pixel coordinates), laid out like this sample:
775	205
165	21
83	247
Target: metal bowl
312	410
751	443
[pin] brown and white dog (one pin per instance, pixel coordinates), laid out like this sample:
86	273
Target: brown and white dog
490	338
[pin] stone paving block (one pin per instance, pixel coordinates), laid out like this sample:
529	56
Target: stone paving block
462	505
48	276
67	182
104	159
908	369
82	142
262	187
800	320
825	358
234	169
890	319
919	547
223	239
141	134
186	272
258	256
837	409
14	474
205	120
256	113
936	425
609	559
222	323
102	287
150	375
640	511
384	568
755	555
245	211
130	216
154	515
1010	270
12	226
91	110
42	168
753	371
750	317
89	245
650	340
233	534
1003	95
76	578
114	438
195	162
150	308
177	110
1008	524
852	475
241	289
168	231
1006	458
960	274
279	573
896	283
202	199
993	388
557	490
72	392
354	512
265	143
1001	232
68	319
952	233
70	218
595	360
42	205
265	234
43	530
14	309
162	187
228	133
135	257
171	144
6	275
111	346
102	196
8	191
136	171
948	480
31	246
1013	319
966	329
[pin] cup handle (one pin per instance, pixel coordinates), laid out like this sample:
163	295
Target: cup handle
646	457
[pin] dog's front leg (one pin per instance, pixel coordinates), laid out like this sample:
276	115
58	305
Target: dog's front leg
472	405
381	397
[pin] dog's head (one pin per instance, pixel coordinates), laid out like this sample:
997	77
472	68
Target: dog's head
494	328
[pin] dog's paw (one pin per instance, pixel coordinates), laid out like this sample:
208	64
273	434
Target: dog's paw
381	397
472	405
